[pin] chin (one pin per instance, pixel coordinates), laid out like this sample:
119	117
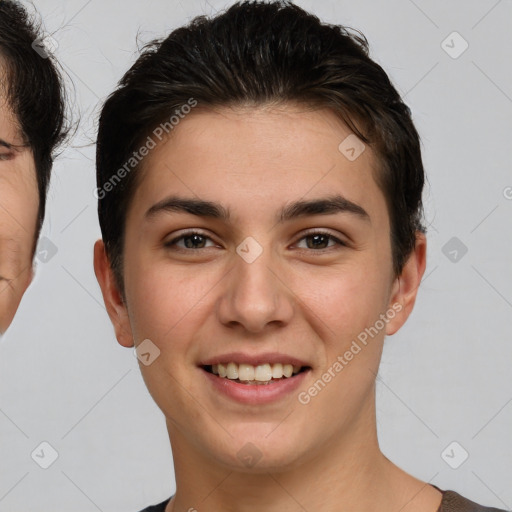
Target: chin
260	453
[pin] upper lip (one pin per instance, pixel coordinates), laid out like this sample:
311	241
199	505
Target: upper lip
253	359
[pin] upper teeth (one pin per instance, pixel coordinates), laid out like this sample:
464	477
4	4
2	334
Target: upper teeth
248	372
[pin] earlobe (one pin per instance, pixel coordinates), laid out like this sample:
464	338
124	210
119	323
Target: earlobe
406	285
114	303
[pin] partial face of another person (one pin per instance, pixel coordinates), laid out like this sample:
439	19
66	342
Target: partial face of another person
207	288
19	202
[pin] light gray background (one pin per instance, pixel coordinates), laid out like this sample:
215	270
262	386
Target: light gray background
444	377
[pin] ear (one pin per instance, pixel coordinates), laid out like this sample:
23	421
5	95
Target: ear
116	307
405	287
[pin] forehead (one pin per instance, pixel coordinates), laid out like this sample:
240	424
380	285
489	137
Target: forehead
260	158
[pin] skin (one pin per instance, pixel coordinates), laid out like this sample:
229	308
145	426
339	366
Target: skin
294	298
19	203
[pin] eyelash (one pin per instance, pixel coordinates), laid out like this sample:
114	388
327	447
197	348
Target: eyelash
308	234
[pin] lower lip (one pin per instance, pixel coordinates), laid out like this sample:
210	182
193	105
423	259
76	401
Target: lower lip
256	393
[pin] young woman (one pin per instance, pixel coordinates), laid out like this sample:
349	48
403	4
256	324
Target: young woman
259	183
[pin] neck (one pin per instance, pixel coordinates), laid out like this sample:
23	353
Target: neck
347	472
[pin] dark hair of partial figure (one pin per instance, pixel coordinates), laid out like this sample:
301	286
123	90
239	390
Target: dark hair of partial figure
257	54
33	88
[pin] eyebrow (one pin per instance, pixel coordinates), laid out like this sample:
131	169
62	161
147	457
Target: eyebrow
13	147
301	208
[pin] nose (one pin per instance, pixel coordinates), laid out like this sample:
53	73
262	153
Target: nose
255	294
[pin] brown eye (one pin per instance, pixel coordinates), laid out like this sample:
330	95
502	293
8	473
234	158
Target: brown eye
319	239
191	240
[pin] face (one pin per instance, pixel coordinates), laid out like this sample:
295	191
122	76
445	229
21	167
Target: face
19	203
289	264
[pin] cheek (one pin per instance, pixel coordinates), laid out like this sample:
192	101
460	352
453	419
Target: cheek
345	309
171	308
18	218
166	301
344	300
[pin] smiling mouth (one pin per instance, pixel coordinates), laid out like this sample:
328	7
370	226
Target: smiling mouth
255	375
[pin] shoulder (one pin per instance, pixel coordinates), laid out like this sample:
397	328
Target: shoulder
157	508
453	502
